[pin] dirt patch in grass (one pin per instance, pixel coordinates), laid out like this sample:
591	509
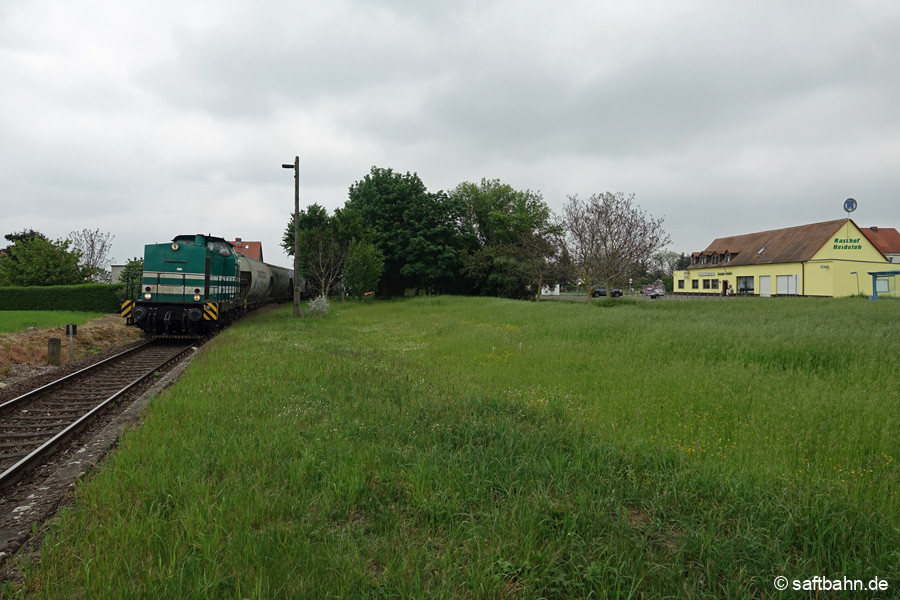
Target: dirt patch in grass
23	354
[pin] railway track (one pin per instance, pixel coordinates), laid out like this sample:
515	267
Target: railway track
35	425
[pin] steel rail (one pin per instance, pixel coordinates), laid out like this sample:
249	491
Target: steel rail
15	472
56	382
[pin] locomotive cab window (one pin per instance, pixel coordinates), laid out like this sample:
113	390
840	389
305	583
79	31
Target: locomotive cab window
218	246
183	240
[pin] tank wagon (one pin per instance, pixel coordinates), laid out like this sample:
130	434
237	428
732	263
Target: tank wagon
198	284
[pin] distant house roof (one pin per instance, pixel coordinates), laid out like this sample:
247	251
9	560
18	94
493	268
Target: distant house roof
885	239
792	244
251	249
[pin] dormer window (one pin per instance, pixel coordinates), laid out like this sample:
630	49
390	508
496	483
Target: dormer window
715	259
760	250
728	257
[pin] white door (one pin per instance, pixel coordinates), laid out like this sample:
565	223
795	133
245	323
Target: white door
765	286
786	285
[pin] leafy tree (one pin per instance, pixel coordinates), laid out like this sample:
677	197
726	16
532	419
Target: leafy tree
94	247
608	237
435	246
35	260
494	271
514	232
25	234
321	257
324	243
131	274
363	267
663	263
134	265
418	232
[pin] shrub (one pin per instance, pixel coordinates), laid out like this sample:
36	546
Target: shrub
88	297
318	307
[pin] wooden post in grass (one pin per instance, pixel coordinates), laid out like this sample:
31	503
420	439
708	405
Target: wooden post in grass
54	347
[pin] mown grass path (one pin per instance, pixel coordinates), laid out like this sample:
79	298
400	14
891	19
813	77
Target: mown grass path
459	447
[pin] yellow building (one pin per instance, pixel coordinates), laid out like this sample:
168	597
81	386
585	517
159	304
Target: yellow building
833	258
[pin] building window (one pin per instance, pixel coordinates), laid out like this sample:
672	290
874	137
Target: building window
727	258
706	284
715	284
695	284
681	284
745	285
702	260
715	259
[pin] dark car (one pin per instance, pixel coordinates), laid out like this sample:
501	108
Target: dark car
600	291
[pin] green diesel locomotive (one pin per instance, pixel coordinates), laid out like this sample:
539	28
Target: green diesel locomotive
198	284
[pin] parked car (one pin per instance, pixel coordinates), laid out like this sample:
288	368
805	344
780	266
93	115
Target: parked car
600	291
654	290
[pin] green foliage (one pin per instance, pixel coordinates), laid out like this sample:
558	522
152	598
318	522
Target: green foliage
88	297
324	243
435	247
24	235
498	214
516	239
37	261
495	271
683	262
363	267
131	276
417	231
134	265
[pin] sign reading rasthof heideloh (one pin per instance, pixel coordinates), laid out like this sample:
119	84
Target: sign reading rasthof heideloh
847	244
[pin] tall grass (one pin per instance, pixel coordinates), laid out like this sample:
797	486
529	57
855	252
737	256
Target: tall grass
486	448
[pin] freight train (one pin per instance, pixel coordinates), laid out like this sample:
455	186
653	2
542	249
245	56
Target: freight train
198	284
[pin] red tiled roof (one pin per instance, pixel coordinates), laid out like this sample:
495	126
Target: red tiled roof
792	244
251	249
886	240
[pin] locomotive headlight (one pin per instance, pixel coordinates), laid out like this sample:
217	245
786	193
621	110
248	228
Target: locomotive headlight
147	296
174	246
197	297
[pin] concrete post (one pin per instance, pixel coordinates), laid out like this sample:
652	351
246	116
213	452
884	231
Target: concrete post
53	351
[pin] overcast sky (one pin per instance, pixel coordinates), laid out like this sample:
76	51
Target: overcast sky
152	119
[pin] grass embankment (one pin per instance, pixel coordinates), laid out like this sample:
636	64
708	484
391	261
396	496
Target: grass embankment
489	448
18	320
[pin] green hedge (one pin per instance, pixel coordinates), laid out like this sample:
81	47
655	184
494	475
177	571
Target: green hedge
91	297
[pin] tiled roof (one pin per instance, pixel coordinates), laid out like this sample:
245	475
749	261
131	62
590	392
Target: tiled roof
251	249
792	244
886	240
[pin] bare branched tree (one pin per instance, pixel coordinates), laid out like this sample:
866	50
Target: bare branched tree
607	236
94	247
324	260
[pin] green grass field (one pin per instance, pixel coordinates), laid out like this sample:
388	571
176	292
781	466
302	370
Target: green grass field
19	320
484	448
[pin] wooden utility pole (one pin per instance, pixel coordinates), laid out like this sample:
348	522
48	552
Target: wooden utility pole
296	167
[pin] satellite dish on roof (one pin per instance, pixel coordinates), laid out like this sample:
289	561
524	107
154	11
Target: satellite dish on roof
849	205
